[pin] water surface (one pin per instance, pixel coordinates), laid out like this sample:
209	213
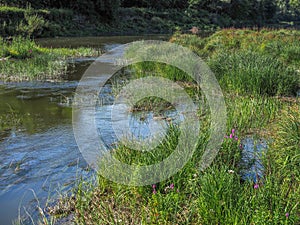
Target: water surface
39	156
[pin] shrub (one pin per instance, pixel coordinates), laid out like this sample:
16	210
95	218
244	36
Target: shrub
33	24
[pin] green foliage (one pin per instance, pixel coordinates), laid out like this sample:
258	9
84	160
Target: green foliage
20	48
104	9
91	17
22	21
251	113
22	59
33	24
178	4
253	73
251	62
286	147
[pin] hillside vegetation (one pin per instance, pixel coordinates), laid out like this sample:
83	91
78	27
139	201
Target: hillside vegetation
101	17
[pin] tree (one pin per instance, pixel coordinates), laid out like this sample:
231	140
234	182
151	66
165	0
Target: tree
166	4
269	9
239	9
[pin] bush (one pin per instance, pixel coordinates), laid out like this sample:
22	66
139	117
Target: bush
33	24
18	21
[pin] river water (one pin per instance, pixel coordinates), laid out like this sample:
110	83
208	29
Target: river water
39	156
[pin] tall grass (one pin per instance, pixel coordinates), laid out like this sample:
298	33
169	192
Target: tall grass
252	114
286	147
218	195
250	62
252	73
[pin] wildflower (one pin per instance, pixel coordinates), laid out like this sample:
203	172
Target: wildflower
154	189
231	171
171	186
287	215
232	135
30	51
256	186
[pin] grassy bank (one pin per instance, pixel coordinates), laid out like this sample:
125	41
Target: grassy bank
250	62
217	195
261	104
23	59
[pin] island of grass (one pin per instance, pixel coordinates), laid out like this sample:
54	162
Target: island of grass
22	59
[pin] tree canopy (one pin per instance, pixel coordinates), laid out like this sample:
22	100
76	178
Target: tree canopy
253	10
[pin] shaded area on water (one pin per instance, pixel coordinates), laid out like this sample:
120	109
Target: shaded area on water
103	43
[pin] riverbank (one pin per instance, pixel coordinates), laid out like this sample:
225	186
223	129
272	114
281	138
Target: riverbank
259	77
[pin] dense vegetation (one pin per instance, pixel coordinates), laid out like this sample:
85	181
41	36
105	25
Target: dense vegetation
258	81
94	17
251	62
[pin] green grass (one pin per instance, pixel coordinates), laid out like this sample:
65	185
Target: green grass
258	84
252	73
23	59
249	62
215	196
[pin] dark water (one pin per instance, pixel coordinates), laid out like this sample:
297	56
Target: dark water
39	156
103	43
